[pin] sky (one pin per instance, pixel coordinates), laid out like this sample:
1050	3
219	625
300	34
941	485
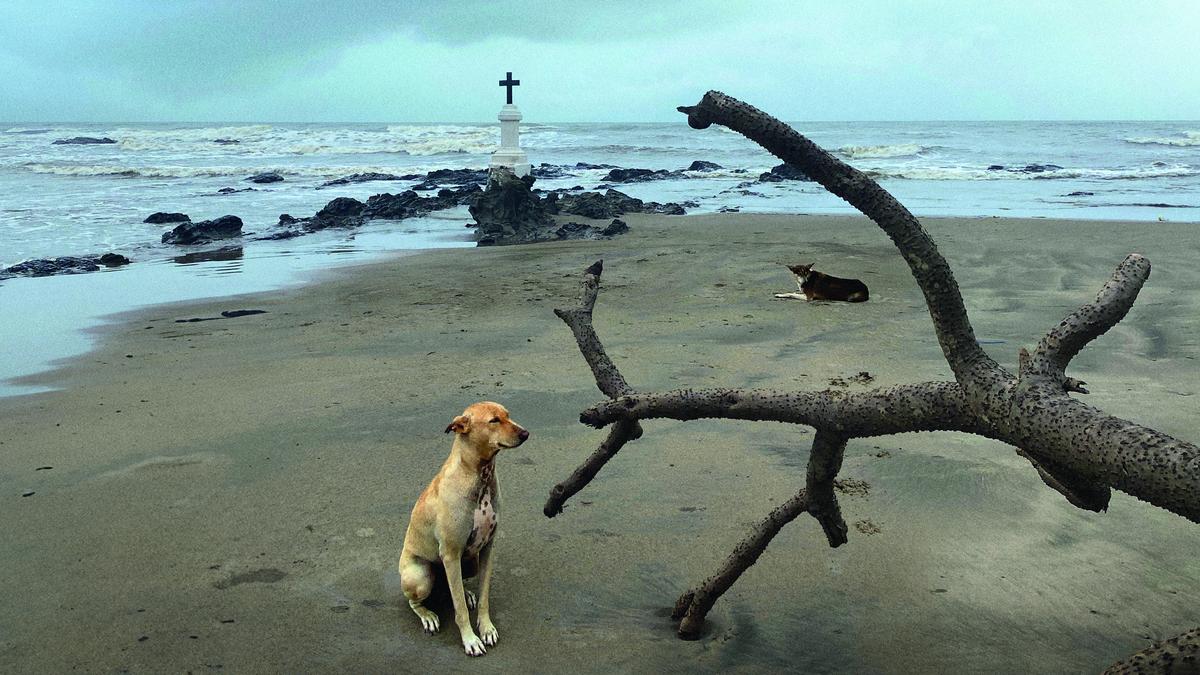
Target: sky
610	61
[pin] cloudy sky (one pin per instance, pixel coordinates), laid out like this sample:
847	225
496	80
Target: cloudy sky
616	60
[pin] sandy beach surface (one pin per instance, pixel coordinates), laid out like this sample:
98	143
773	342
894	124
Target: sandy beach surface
231	495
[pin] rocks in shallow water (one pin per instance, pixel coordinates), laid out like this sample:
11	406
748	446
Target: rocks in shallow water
610	205
368	177
268	177
46	267
113	260
84	140
782	172
349	212
1079	193
50	266
585	166
701	165
204	231
226	141
635	175
544	170
508	212
457	176
160	217
229	190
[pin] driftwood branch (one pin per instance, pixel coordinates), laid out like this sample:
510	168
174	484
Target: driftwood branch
1079	451
608	379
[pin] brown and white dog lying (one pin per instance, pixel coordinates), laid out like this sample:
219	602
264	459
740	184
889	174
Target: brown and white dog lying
454	522
817	286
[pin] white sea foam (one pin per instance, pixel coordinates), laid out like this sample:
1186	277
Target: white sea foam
166	171
1187	140
880	151
972	173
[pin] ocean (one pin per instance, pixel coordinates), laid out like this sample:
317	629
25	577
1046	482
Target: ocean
58	200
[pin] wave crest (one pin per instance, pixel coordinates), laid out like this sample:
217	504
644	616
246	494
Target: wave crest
1187	140
881	151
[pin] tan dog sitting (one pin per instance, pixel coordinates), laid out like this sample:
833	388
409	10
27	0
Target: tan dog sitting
454	522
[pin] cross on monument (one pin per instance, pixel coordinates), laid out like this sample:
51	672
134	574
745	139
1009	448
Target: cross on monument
510	83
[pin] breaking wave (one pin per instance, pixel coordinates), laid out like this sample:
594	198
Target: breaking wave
239	172
1187	139
881	151
972	173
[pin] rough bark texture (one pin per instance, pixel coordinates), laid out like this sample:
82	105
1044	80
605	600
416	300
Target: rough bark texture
1077	450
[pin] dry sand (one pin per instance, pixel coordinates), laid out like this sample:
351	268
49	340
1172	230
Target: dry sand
233	494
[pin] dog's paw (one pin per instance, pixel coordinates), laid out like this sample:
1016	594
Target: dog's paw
488	633
471	602
473	646
429	621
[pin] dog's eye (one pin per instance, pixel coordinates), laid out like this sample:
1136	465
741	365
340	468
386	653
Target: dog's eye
494	420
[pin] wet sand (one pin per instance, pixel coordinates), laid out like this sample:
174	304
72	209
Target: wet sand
232	494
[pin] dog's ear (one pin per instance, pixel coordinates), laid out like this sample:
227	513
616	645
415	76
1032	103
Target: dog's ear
460	425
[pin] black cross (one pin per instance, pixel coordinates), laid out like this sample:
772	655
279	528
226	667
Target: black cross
510	83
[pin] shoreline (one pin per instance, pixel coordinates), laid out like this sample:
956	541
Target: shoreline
291	444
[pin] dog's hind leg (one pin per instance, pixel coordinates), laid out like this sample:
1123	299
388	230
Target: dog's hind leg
416	579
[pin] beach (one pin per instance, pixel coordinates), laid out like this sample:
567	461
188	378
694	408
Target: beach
232	493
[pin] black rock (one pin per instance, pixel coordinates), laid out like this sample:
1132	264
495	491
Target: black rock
160	217
728	209
611	204
996	167
640	175
226	141
204	231
347	212
1038	168
617	226
550	171
585	165
1080	193
701	165
508	212
782	172
229	190
113	260
52	266
84	140
367	177
269	177
457	176
425	186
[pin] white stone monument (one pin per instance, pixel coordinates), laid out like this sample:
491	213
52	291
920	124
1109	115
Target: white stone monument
510	154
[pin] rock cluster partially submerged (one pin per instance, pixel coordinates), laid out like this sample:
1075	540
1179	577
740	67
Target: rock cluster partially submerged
45	267
509	212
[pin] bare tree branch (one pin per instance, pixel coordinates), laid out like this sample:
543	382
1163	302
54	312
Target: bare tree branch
1078	451
932	272
608	379
1063	342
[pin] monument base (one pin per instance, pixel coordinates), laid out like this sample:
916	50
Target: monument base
517	162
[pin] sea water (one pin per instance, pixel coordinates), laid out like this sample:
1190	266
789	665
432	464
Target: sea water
60	200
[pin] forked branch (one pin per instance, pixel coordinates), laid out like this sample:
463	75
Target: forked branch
1078	451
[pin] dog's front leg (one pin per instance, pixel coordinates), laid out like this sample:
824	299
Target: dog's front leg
462	616
487	630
